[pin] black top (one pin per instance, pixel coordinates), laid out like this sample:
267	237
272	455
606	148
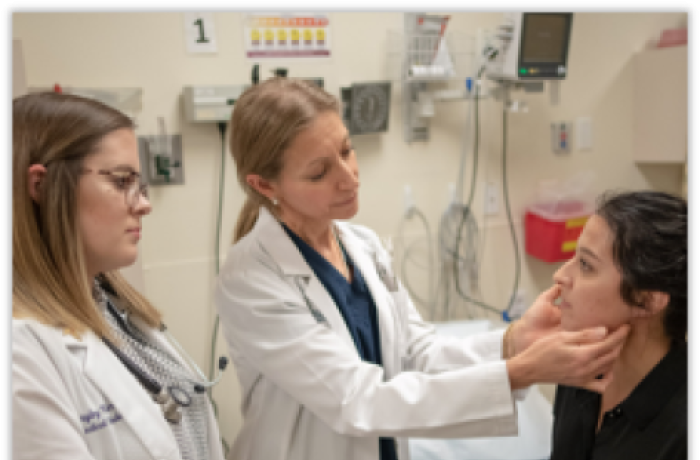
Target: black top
652	423
357	307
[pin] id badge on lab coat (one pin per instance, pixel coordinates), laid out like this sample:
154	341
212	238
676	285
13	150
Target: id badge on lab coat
400	298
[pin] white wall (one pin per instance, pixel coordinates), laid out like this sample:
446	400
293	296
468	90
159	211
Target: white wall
147	50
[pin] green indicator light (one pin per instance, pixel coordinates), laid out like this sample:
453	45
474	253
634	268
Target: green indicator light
523	71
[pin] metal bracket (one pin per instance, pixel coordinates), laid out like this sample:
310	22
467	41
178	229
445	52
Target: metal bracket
415	127
157	168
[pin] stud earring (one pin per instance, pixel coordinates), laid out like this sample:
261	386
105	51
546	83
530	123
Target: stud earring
274	201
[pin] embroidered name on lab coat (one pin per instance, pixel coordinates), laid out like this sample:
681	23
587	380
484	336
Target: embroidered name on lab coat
97	419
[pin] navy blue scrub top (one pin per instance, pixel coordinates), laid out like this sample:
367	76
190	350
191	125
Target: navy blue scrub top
357	307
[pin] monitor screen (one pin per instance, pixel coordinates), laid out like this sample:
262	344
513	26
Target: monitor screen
544	38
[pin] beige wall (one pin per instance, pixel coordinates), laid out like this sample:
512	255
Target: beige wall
147	50
19	79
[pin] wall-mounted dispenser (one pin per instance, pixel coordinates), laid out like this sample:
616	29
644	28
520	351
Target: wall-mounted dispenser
207	104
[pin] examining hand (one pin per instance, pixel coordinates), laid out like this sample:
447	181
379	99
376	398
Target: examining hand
569	358
541	319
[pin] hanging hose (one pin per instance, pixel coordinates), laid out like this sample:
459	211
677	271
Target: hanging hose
433	286
215	331
467	214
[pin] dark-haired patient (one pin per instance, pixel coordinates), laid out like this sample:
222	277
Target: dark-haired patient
630	267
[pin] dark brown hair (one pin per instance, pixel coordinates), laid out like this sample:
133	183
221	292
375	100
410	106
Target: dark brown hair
650	249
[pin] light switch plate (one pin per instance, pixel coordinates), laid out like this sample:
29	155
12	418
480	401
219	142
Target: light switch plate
561	137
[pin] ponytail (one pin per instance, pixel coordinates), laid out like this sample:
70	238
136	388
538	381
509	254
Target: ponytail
247	218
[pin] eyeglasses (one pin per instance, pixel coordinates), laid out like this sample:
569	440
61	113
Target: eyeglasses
127	181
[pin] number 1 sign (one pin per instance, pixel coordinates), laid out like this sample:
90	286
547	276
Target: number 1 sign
200	34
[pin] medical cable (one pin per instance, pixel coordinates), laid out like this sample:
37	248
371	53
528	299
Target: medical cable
433	286
222	169
454	215
466	211
506	202
449	221
505	313
440	291
460	180
488	54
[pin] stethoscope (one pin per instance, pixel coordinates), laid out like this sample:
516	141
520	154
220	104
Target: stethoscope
173	397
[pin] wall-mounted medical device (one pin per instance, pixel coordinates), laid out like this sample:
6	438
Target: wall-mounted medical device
210	104
366	107
161	157
532	46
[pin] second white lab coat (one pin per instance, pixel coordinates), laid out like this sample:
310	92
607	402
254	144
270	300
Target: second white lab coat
307	394
72	399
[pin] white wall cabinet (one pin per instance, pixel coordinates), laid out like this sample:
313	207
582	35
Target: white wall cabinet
661	105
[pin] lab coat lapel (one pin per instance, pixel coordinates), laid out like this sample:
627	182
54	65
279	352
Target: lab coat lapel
319	297
360	253
130	399
277	243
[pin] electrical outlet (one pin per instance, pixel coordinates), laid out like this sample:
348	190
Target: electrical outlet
492	201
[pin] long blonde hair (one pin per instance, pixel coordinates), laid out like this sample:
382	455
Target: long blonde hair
265	120
49	278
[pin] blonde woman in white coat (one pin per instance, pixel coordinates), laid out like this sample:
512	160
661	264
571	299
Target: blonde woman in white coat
78	328
333	358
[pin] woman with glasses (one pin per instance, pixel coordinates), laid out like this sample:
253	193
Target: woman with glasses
93	375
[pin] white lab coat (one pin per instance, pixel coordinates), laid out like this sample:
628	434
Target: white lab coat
307	395
74	400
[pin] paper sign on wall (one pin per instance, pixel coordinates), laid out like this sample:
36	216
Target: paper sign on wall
200	34
287	35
